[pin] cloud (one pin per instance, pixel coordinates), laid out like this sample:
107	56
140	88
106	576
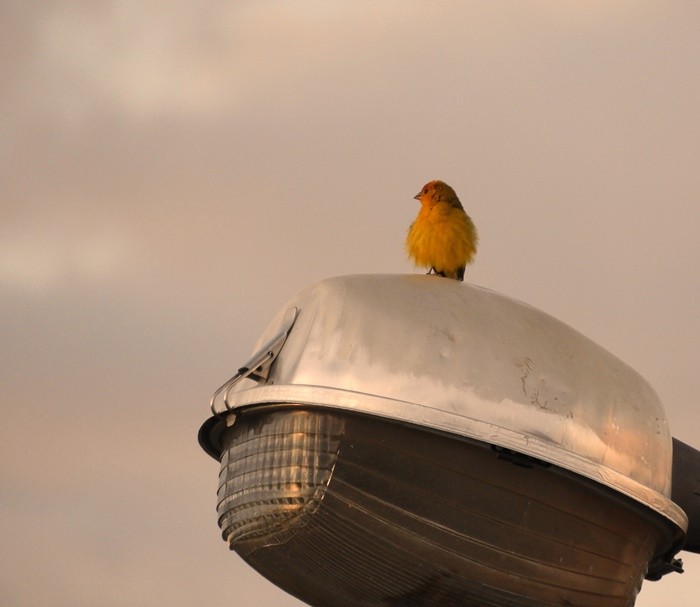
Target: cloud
38	260
180	59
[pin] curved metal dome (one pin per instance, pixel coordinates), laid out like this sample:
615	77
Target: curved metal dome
469	361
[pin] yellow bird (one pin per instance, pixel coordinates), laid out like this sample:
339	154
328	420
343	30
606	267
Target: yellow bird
443	237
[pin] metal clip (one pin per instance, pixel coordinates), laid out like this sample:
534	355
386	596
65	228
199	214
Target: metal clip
258	366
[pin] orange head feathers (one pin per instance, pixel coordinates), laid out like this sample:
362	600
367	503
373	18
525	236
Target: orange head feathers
443	237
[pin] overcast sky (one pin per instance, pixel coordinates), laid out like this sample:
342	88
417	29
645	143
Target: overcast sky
171	172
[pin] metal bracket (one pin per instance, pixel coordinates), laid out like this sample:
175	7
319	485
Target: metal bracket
660	568
258	366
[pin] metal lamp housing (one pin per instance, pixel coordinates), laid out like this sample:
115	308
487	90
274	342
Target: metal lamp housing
412	440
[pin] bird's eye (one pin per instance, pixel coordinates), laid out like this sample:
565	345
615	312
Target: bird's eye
425	190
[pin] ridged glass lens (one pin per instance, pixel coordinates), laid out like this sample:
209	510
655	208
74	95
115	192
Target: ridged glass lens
274	470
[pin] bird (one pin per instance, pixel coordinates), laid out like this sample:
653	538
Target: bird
443	237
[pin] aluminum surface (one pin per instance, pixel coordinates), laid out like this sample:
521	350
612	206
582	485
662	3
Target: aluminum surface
459	358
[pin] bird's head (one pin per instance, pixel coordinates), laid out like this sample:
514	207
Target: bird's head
437	191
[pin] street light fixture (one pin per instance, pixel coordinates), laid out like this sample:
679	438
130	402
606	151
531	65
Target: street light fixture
412	440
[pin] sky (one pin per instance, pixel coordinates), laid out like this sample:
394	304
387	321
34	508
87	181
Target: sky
172	172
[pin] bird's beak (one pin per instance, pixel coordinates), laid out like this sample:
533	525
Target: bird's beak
417	196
